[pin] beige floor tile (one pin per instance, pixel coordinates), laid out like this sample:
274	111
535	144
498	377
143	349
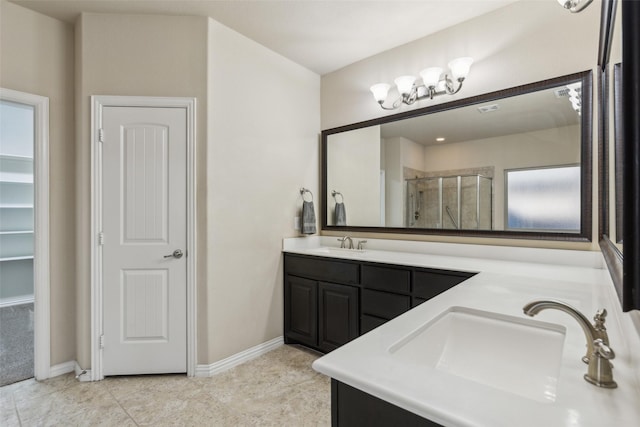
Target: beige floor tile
305	404
276	389
123	386
82	398
31	389
9	417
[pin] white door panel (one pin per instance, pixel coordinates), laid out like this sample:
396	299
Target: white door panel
144	221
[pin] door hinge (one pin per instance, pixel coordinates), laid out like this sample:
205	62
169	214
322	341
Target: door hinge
101	135
101	341
101	238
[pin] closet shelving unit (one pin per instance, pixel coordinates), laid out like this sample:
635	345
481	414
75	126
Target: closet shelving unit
16	229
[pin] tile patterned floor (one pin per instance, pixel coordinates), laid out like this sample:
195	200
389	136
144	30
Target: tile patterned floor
277	389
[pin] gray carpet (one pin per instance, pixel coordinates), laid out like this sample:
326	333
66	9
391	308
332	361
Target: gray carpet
16	343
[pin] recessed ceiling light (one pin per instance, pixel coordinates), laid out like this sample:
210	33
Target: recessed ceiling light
440	139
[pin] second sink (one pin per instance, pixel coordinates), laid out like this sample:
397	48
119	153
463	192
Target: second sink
509	353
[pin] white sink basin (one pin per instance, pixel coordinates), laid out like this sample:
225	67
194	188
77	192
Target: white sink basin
339	251
513	354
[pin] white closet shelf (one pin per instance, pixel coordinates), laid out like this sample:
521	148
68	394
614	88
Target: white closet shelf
16	178
16	206
14	157
16	258
16	232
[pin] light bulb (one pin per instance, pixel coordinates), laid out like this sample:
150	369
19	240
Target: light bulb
405	84
460	67
380	91
567	4
431	76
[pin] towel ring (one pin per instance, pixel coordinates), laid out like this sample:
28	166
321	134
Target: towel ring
304	191
335	195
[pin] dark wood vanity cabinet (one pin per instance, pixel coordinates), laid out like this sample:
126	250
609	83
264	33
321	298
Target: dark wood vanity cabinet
329	302
352	407
427	283
317	313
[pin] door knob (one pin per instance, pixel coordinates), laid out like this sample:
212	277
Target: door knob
176	254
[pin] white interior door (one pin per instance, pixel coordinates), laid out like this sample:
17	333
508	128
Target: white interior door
144	240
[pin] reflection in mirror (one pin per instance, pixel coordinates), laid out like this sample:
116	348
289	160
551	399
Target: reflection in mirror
444	169
619	149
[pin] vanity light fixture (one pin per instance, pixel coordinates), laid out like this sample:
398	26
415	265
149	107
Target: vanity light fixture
575	6
432	85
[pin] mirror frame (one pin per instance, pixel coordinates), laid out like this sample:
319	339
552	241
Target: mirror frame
624	270
586	158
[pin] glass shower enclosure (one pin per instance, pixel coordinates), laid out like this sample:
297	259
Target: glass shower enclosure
462	202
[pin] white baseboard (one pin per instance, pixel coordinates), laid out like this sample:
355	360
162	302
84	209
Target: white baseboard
201	370
62	368
238	358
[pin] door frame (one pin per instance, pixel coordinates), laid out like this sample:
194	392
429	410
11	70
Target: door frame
41	270
97	326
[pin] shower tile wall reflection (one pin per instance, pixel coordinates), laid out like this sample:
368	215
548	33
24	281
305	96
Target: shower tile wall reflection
453	202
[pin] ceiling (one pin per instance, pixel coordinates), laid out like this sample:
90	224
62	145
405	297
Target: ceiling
514	115
321	35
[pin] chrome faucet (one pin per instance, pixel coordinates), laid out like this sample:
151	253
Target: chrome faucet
343	242
360	244
599	353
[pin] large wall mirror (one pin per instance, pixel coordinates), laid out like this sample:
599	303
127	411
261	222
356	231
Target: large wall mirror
513	163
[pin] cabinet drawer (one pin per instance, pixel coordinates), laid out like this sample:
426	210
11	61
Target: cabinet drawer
322	269
429	283
386	279
369	323
383	304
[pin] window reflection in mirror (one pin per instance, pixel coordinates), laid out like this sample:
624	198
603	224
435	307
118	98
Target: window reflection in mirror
543	199
445	170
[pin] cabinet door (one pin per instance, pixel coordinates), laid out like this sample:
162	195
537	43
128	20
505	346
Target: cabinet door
301	310
338	318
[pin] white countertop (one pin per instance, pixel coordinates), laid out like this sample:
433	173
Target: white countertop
575	277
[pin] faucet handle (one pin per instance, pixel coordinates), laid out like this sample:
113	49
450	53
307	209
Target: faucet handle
599	319
603	350
360	243
600	369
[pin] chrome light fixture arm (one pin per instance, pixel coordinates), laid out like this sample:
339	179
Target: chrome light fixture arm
429	93
432	84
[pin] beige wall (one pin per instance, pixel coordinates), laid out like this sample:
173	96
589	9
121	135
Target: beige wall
256	146
525	42
257	136
400	152
263	145
142	55
353	162
41	62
